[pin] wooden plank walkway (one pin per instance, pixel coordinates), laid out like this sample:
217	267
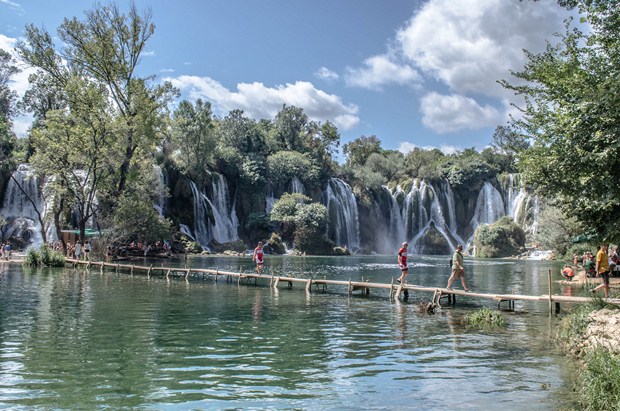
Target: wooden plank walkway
396	290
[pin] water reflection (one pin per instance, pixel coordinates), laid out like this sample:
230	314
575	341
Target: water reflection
107	340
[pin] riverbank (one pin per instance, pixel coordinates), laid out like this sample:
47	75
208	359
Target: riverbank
591	334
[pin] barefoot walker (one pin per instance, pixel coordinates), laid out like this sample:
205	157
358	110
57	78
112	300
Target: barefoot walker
257	257
402	262
458	270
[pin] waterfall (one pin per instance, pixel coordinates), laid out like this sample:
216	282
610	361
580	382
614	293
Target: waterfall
296	186
270	198
521	205
22	219
225	221
201	230
160	203
213	218
489	206
343	225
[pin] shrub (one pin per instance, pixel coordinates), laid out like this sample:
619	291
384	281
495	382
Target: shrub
484	317
44	256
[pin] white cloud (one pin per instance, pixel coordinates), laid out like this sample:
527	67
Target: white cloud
379	71
167	70
470	44
406	147
148	53
259	101
448	114
12	4
326	74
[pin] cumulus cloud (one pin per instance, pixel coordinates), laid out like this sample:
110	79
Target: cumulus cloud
470	44
326	74
450	113
379	71
259	101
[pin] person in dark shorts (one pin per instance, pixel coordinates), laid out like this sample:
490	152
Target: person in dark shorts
602	270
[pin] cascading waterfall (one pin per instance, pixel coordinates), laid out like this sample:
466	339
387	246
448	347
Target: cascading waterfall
489	206
296	186
343	226
20	213
160	204
225	221
521	205
223	224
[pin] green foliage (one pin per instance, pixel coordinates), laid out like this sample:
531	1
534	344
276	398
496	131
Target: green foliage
484	317
572	116
44	257
284	165
504	238
359	150
469	170
193	137
555	231
424	164
135	219
285	209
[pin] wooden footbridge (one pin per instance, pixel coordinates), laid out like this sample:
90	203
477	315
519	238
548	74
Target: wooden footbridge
395	290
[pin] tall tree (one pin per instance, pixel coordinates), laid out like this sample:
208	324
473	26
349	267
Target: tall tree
572	115
106	46
7	110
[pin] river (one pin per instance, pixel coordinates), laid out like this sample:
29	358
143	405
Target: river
74	339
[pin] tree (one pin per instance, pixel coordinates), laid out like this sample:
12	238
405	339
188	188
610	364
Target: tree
7	111
193	136
572	115
284	165
76	149
358	150
106	47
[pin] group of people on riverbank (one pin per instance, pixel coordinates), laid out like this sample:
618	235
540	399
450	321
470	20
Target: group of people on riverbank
602	266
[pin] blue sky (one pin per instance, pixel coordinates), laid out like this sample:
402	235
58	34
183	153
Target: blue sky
411	72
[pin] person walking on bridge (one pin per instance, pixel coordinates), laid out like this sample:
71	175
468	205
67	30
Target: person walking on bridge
257	257
458	270
402	262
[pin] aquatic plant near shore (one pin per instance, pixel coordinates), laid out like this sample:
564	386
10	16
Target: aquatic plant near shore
484	317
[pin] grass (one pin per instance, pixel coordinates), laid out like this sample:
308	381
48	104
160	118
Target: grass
484	317
598	385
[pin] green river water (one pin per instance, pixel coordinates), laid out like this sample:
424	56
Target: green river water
76	339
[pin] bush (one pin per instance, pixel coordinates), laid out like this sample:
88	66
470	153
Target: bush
599	387
45	257
484	317
504	238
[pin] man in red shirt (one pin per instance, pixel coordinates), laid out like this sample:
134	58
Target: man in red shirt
402	262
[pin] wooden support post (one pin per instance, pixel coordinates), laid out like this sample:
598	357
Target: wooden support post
308	286
350	287
187	273
101	269
392	290
117	266
217	272
275	284
148	273
550	298
131	272
398	290
168	274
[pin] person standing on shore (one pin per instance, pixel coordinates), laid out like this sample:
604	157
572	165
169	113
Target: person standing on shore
602	270
458	270
402	262
258	257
